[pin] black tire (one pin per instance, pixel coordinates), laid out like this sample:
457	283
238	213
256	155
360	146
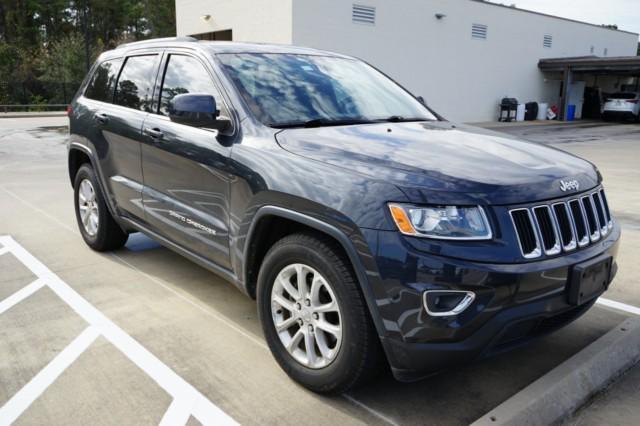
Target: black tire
360	355
109	235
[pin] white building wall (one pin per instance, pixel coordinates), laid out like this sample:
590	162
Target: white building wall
266	21
460	77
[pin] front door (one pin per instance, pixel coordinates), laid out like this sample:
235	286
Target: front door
186	183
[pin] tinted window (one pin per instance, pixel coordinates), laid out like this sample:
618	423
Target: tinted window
103	81
185	75
135	85
287	89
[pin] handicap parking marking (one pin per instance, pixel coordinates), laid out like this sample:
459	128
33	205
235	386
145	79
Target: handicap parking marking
187	401
618	306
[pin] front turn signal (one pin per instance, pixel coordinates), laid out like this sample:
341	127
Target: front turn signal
401	219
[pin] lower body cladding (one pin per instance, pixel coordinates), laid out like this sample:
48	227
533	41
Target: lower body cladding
440	312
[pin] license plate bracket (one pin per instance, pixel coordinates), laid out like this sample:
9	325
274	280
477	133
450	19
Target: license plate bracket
589	279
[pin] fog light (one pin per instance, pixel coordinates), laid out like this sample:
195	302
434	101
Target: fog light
442	303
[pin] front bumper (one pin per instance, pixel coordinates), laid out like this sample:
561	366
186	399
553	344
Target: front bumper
514	303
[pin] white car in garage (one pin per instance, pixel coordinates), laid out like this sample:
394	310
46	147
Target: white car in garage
622	105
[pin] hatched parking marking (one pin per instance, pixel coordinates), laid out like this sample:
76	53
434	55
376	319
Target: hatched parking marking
167	287
20	295
187	400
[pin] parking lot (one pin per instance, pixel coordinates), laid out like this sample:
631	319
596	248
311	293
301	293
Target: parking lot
143	336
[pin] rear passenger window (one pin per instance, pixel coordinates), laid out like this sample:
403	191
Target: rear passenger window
135	85
185	74
103	81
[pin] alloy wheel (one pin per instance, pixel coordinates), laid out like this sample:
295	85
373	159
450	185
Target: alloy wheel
88	206
306	315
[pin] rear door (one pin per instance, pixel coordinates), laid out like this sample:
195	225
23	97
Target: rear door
186	178
118	127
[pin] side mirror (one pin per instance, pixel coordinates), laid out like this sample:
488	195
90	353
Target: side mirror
197	110
421	100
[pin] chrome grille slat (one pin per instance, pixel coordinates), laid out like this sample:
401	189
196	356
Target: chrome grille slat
545	224
603	197
562	226
571	242
602	220
579	222
592	219
527	236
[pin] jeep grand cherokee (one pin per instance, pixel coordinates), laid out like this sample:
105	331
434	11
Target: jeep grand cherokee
371	231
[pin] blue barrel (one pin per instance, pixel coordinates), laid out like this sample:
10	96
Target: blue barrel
571	112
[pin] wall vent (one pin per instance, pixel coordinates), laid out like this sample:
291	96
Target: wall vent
547	41
479	31
363	14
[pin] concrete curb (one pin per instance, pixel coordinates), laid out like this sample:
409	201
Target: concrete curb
559	393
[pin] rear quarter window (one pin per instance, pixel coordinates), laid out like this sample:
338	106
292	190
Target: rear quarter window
103	81
135	84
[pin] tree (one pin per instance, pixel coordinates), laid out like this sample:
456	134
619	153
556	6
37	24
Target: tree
44	40
64	60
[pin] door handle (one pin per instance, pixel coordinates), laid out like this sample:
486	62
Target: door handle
101	118
154	133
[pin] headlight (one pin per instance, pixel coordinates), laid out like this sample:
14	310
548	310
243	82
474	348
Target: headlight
442	222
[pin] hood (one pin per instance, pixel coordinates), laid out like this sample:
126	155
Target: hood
439	162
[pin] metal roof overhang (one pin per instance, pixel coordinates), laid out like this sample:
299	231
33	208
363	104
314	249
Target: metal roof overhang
620	65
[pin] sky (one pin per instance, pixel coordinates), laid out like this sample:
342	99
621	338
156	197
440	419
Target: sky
624	13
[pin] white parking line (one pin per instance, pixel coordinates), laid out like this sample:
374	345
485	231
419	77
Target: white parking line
177	414
3	250
183	393
618	305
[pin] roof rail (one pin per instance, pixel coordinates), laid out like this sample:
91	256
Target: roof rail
156	40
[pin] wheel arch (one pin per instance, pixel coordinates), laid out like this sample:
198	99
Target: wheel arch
261	236
79	155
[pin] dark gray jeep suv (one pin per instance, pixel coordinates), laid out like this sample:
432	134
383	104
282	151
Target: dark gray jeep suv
371	231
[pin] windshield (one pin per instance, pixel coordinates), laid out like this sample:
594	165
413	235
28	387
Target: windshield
288	90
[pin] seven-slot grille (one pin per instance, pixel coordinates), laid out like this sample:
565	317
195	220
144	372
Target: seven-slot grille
563	225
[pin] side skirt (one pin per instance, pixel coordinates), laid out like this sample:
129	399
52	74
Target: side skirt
227	274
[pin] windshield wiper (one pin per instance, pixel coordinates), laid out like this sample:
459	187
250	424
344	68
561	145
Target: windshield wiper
322	122
401	119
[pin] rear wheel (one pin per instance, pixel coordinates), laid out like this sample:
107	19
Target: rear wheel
97	227
314	317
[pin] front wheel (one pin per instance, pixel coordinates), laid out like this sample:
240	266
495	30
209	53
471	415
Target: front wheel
314	317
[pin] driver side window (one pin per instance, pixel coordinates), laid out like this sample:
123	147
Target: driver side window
185	74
